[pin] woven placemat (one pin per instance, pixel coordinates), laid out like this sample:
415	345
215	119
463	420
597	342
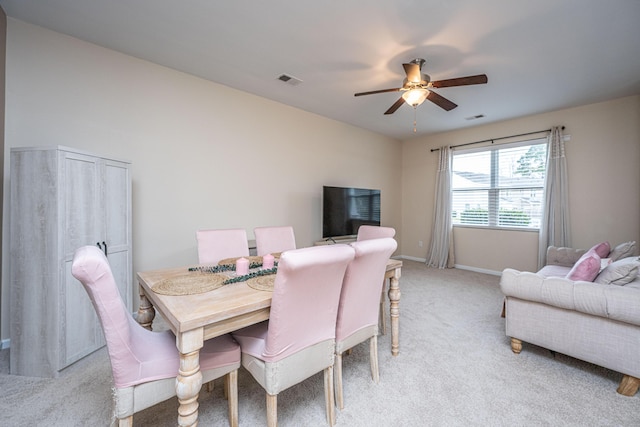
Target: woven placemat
230	261
191	284
262	283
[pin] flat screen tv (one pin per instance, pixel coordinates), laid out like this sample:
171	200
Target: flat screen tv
345	209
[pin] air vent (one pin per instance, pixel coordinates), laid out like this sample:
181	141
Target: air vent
293	81
477	116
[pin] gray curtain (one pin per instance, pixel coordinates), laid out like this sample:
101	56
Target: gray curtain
554	229
441	248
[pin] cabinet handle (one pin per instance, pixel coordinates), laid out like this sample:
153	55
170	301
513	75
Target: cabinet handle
101	248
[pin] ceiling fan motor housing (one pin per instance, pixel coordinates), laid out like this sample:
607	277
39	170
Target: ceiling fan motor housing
422	84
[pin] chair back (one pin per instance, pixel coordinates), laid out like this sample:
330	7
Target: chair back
214	245
363	280
305	299
136	354
367	232
271	240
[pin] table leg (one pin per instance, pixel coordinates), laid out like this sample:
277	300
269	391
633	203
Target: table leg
189	379
383	316
146	312
394	300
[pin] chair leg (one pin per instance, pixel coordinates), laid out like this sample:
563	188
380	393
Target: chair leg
125	422
231	387
210	387
272	410
373	358
328	396
338	381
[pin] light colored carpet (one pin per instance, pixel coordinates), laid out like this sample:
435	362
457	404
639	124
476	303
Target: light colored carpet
455	368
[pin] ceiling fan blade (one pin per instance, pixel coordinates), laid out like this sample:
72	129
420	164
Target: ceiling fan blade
441	101
413	72
461	81
395	106
377	91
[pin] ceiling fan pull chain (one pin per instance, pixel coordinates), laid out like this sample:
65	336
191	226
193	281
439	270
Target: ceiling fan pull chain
414	118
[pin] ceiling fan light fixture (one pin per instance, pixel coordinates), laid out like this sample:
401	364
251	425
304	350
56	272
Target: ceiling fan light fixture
415	97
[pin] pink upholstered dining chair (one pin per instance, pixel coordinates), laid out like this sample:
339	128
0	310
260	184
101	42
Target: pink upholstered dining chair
367	232
145	364
298	340
271	240
214	245
358	309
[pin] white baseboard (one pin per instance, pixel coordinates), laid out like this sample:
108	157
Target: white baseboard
478	270
412	258
5	344
459	266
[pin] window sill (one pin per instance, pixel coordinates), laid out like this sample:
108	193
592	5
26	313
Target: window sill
485	227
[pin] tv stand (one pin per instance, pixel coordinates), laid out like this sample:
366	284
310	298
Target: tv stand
335	240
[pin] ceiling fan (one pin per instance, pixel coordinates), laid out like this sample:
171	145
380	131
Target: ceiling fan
417	87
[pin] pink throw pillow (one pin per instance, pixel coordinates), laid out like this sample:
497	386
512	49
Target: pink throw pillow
587	267
602	249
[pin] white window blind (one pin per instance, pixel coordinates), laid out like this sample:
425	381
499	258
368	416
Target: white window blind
499	186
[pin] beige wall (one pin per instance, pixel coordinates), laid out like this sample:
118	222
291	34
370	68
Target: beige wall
203	155
603	158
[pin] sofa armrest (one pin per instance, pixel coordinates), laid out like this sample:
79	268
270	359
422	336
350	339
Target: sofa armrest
565	257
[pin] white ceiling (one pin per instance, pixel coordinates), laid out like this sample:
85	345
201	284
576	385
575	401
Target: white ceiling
539	55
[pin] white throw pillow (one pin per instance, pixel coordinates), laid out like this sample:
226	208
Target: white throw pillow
619	272
623	250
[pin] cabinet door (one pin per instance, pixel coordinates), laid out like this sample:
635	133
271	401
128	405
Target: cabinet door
80	202
116	199
80	331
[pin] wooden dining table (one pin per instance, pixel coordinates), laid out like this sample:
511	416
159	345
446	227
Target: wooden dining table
197	317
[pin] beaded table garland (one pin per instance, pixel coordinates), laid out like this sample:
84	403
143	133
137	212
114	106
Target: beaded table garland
251	275
251	259
227	267
231	266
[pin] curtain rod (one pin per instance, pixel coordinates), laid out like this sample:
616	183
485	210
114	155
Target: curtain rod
496	139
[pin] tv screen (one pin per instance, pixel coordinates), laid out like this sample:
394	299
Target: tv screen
345	209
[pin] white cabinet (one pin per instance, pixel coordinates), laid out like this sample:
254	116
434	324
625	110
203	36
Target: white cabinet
62	199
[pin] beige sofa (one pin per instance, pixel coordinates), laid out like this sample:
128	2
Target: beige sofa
598	322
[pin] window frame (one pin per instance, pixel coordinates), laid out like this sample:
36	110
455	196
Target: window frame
494	190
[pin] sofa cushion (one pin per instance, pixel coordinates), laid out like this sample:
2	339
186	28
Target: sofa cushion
587	267
619	272
614	302
623	250
554	271
602	249
566	257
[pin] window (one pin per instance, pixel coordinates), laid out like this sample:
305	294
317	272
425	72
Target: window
499	186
